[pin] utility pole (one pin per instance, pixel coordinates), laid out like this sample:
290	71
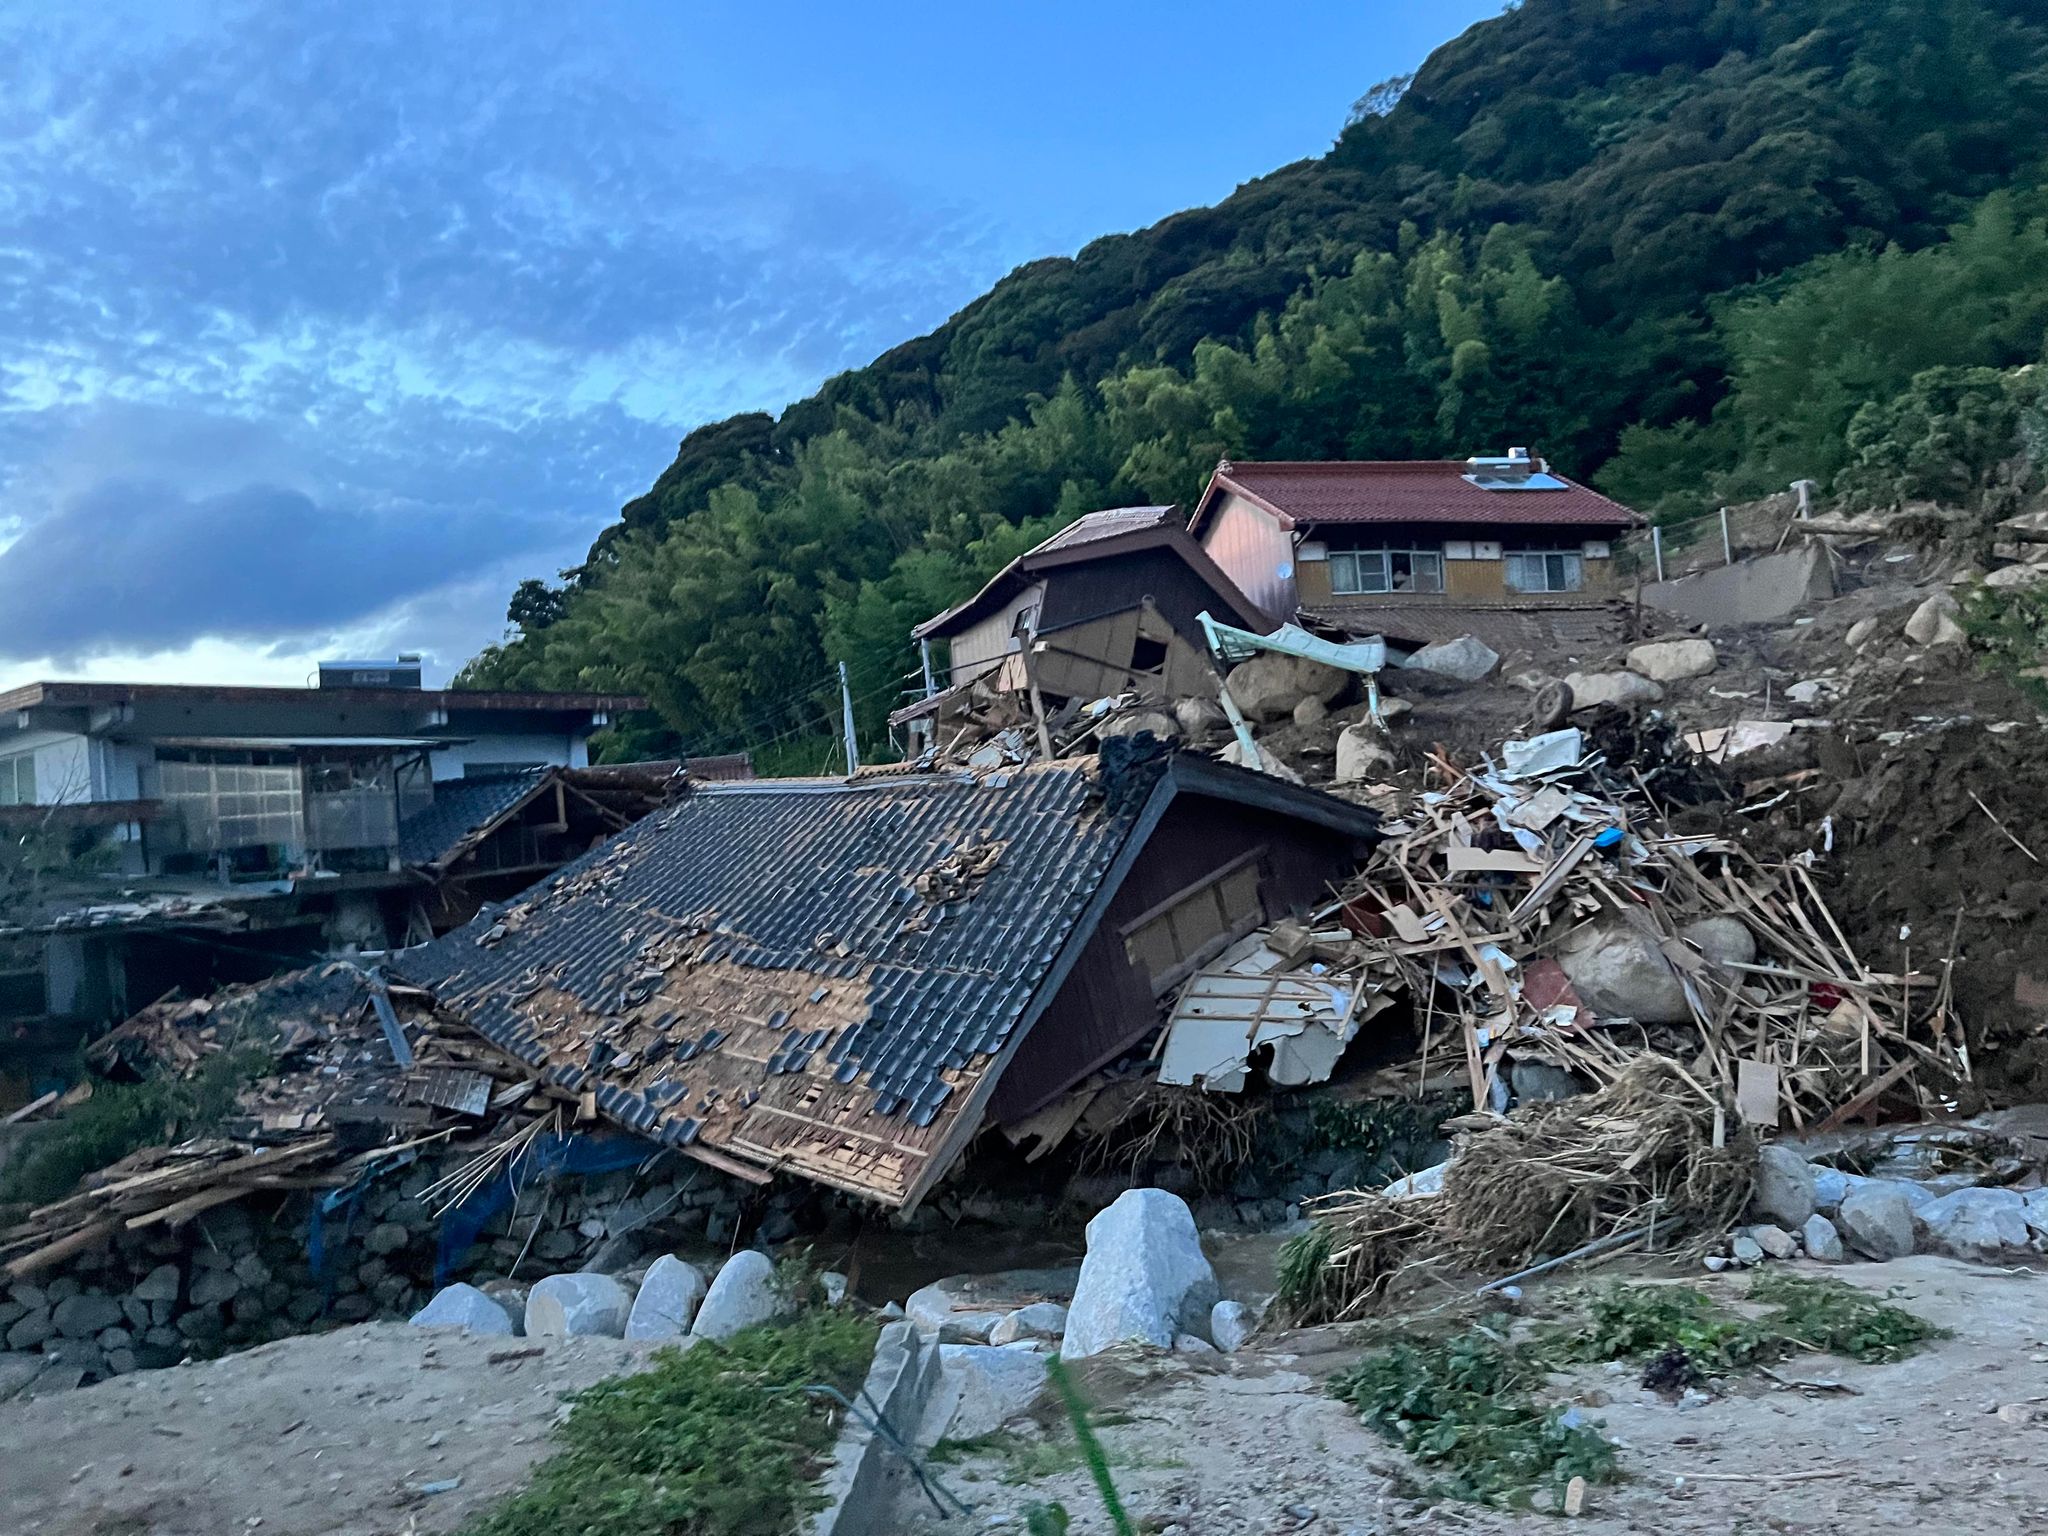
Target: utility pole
846	722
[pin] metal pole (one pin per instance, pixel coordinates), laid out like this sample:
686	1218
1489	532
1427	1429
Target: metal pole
924	660
846	721
1657	548
1727	544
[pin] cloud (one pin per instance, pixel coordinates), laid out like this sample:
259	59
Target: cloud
315	310
134	566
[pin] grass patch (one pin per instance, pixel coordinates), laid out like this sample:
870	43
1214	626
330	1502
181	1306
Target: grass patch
1465	1409
1804	1313
120	1118
708	1442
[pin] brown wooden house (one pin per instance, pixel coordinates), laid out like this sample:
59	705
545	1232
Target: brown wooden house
1416	550
1107	605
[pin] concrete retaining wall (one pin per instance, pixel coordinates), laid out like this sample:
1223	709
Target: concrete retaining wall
861	1481
1763	590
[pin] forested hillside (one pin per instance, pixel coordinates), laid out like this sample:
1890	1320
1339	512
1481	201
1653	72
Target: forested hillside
1677	245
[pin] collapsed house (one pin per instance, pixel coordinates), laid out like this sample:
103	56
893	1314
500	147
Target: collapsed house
1504	549
1105	607
212	835
846	980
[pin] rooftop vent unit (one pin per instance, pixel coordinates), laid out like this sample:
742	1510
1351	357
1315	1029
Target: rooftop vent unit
1519	470
402	673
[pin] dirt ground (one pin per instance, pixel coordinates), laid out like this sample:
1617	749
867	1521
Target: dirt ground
339	1434
1254	1445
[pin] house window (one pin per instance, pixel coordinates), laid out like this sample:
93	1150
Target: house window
1386	570
18	779
1546	570
1190	928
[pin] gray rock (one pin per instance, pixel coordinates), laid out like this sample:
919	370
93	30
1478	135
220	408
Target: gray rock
387	1237
1156	723
1040	1320
29	1296
980	1389
122	1361
965	1309
1464	660
83	1315
2009	577
579	1305
1746	1250
27	1332
214	1286
1188	1344
18	1372
1197	717
1270	762
746	1292
1269	685
63	1288
1983	1225
1144	1279
1231	1324
1859	632
160	1284
1876	1219
1775	1241
1784	1185
2036	1203
348	1309
115	1338
1823	1242
203	1324
1619	972
251	1270
1934	622
1722	939
136	1313
834	1287
1831	1186
667	1301
465	1307
1626	689
1364	752
1670	661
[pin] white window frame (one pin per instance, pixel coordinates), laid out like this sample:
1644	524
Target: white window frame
1559	570
18	779
1373	572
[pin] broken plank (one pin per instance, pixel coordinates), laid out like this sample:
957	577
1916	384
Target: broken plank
1462	860
65	1247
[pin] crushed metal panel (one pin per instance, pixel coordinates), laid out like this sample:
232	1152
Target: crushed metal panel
1248	1002
453	1088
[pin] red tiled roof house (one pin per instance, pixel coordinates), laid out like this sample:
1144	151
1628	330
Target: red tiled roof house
1371	542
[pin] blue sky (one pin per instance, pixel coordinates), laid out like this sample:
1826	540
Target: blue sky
322	324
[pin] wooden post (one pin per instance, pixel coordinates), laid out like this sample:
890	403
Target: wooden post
1037	701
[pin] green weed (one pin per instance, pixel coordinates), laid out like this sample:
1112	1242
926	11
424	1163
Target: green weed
1816	1312
715	1441
1464	1408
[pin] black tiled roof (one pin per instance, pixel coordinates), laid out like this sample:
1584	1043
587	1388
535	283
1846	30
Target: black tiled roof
768	942
462	806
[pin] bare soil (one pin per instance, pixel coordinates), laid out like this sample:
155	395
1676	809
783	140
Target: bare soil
1253	1443
337	1434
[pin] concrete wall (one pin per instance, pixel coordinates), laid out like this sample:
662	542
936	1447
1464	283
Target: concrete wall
1759	591
556	750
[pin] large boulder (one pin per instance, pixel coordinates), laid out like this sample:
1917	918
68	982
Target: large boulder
465	1307
1934	622
1831	1186
979	1390
1822	1242
1876	1220
747	1292
1784	1186
1670	661
1984	1225
1363	752
1269	685
1231	1324
1722	939
1197	716
1156	723
581	1305
666	1304
1626	689
1464	660
1144	1279
2008	578
1620	973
